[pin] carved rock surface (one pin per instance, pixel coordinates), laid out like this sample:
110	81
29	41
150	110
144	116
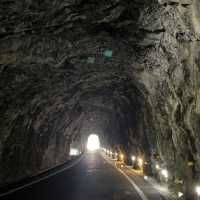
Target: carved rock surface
125	69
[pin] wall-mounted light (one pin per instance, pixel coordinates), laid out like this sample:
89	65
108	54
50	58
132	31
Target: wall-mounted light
133	158
157	167
121	156
197	189
180	194
164	172
140	162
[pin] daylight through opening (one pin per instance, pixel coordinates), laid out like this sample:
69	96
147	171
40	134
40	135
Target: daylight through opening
93	143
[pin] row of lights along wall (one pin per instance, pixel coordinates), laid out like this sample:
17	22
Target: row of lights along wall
139	161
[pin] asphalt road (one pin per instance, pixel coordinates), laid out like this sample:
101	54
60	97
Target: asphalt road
93	178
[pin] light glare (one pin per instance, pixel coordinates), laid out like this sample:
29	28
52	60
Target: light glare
180	194
157	167
73	152
121	156
164	173
93	142
198	190
140	162
133	158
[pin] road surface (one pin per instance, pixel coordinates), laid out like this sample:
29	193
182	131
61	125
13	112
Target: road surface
93	178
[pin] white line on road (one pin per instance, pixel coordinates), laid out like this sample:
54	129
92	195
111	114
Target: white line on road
138	190
41	179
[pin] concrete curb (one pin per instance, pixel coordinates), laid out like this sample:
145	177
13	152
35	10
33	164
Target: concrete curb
29	183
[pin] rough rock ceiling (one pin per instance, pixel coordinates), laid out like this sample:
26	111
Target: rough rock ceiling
129	66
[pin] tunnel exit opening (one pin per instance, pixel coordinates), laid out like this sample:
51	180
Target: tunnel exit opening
93	142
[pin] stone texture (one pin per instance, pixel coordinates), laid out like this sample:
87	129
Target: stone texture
57	85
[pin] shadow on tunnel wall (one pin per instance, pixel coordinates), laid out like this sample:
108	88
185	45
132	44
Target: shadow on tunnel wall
126	70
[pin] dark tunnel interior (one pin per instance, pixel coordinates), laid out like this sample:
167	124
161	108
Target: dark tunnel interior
126	70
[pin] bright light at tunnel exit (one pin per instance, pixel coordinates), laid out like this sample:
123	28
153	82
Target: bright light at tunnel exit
93	142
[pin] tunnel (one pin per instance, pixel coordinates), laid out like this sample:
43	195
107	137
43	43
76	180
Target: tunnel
126	70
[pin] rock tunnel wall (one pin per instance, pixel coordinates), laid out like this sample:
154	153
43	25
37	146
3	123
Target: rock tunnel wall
135	61
171	44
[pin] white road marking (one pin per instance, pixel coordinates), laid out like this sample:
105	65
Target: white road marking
163	191
41	179
138	190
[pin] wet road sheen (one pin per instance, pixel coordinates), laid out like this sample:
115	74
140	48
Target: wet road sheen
91	179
